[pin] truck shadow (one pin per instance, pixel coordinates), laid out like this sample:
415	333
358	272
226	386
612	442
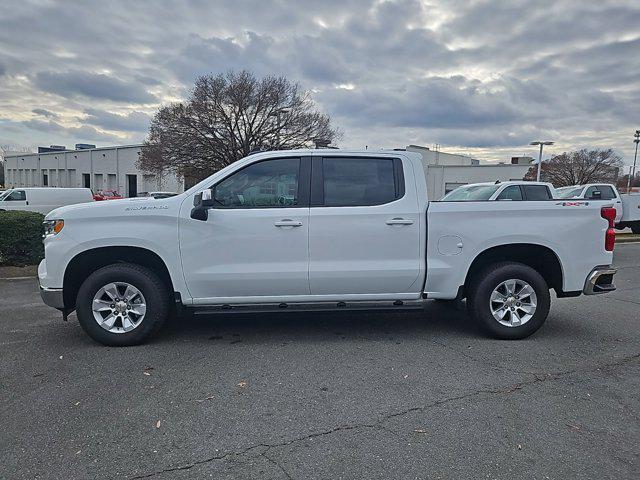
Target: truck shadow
434	320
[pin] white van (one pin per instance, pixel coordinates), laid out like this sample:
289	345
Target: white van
43	199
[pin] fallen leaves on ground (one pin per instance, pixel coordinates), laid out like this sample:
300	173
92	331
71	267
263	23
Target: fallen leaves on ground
210	397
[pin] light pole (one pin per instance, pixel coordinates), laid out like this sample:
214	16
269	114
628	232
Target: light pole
542	144
632	173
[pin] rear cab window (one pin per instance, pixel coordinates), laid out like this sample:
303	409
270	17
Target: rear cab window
606	192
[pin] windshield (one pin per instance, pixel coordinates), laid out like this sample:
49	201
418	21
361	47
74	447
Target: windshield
4	194
470	193
568	192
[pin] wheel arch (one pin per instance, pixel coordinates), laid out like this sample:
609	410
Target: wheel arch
88	261
539	257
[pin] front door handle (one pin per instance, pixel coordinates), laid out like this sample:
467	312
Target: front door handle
399	221
287	222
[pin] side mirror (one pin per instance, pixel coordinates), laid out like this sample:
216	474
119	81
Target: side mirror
202	202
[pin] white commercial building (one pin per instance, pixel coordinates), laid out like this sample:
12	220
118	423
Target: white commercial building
107	168
115	168
447	171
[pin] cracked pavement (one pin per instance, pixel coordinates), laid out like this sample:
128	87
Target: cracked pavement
326	395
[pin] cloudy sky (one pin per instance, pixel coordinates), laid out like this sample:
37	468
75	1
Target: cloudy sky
478	77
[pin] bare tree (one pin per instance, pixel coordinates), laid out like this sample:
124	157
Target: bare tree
623	180
228	116
579	167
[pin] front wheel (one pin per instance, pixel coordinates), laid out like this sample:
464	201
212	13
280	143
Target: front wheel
122	304
509	300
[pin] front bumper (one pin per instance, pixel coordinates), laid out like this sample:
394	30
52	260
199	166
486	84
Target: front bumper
52	297
600	280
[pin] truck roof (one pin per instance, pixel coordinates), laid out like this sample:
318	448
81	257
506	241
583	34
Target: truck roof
510	182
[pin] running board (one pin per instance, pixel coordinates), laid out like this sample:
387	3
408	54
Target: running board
309	307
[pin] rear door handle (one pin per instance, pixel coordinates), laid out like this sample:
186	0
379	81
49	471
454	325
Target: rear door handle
399	221
287	222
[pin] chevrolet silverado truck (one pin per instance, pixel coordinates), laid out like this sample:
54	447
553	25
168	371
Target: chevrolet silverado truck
320	230
627	205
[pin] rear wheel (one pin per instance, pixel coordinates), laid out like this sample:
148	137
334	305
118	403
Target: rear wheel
509	300
635	227
122	304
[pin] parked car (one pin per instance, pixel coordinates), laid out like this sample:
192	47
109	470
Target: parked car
43	199
320	229
512	190
158	194
627	206
106	195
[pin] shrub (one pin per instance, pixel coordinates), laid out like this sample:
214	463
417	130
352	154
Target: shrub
21	238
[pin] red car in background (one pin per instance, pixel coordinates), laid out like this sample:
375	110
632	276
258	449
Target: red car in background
106	195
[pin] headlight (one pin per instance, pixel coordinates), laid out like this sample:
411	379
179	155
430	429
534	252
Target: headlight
52	227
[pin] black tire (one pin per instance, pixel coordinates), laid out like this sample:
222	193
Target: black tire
482	286
635	227
148	283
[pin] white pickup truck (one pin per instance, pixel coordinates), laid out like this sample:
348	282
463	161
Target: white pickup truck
320	229
627	206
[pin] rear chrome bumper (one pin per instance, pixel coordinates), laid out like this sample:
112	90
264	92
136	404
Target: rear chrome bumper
600	280
52	297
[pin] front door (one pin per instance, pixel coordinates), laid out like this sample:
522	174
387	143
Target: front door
254	245
364	233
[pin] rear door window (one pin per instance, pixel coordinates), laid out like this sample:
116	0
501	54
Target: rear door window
352	182
607	192
536	192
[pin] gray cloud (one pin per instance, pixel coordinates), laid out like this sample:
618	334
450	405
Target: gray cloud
99	86
132	122
84	132
488	74
45	113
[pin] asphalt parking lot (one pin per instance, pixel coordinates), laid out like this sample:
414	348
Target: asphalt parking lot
346	395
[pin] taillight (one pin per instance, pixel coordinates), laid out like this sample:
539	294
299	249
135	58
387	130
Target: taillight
609	214
610	240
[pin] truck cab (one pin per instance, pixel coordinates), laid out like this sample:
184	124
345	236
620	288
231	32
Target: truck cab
501	191
593	191
627	205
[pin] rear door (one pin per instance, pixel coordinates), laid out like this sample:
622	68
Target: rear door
364	227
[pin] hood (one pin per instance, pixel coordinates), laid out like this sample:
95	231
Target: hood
113	207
